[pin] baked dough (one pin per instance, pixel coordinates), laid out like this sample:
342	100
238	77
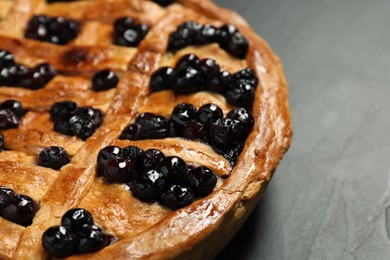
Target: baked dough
141	230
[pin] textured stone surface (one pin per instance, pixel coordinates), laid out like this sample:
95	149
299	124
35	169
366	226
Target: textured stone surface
330	197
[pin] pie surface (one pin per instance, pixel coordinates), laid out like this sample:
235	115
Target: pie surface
139	229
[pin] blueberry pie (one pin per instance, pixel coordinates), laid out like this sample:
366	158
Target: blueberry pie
133	129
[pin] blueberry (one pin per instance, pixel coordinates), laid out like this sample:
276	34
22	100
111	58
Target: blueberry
6	59
164	2
148	185
104	80
53	157
61	110
13	105
188	80
202	180
246	75
59	241
174	168
131	152
129	33
148	160
106	154
188	60
41	75
181	114
90	238
76	218
1	142
232	41
131	132
8	119
224	131
177	197
184	36
220	82
240	93
161	79
208	114
244	118
207	34
210	68
7	196
6	77
21	75
95	116
152	126
194	130
20	210
119	170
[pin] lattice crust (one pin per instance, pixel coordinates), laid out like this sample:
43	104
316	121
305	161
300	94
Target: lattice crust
141	230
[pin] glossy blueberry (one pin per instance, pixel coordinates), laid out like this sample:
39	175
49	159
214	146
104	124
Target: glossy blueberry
152	126
220	82
104	80
131	152
7	196
232	41
6	77
59	241
20	210
202	180
184	35
208	114
61	110
181	114
53	157
149	160
106	154
177	197
188	80
207	34
194	130
149	184
246	75
8	119
1	142
244	118
164	2
131	132
224	131
188	60
174	168
129	33
240	93
6	59
161	79
21	75
91	114
76	218
210	68
119	170
40	76
91	238
15	106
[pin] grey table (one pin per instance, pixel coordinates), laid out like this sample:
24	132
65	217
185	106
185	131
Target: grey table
330	197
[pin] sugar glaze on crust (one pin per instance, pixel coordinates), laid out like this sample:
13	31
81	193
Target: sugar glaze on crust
198	231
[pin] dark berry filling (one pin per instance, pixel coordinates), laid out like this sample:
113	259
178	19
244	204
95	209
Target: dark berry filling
119	170
182	114
104	80
53	157
91	238
174	168
164	2
57	30
15	106
8	119
148	160
59	241
147	126
1	142
208	114
191	33
178	196
128	32
161	79
105	155
201	180
76	218
148	185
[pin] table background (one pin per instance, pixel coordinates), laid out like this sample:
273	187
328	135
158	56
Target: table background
330	196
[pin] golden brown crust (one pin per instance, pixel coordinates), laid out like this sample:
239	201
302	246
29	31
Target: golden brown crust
144	231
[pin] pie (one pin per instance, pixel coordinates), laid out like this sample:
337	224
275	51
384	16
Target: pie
153	126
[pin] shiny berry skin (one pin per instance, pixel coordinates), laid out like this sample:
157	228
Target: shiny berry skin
21	210
53	157
106	154
131	132
13	105
59	241
244	118
208	113
148	160
210	68
21	75
1	142
188	60
194	131
131	152
104	80
148	185
76	218
6	77
6	59
7	196
224	131
119	170
232	41
161	79
181	114
240	94
177	197
8	119
164	2
207	34
91	238
184	35
202	180
188	80
174	168
152	126
62	110
220	82
129	33
246	75
41	75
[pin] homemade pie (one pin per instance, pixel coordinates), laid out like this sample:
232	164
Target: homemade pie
133	129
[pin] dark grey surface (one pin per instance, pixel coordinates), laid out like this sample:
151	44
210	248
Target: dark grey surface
329	197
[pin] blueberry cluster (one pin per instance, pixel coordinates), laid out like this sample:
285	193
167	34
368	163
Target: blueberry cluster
191	75
77	234
53	157
153	176
14	74
70	119
57	30
17	208
104	80
128	32
164	2
227	36
11	113
206	124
